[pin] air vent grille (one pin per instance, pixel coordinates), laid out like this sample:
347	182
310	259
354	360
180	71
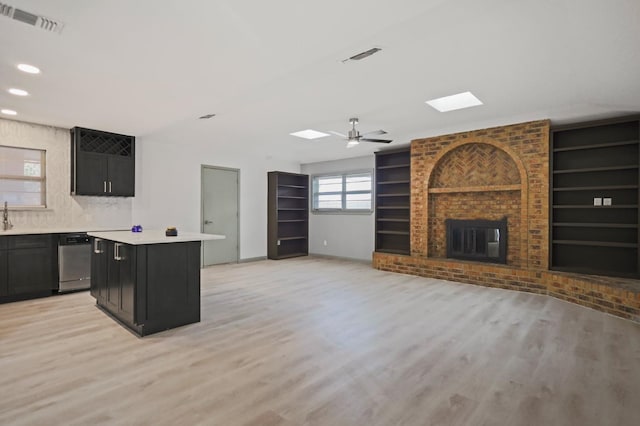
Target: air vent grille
363	55
32	19
105	143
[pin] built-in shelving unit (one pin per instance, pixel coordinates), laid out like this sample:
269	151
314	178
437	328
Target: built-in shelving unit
594	197
393	200
288	216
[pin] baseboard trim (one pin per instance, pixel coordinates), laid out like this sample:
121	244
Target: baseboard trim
351	259
252	259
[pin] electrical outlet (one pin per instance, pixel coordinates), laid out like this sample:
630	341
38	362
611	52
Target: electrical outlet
597	201
324	242
278	242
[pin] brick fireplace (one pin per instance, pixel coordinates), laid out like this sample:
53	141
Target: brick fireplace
492	174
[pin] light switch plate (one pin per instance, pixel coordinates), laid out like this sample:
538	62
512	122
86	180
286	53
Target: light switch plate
597	201
606	201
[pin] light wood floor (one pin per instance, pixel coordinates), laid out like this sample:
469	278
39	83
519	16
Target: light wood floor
312	341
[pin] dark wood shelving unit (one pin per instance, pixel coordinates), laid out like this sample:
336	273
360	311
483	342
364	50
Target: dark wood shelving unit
592	162
288	215
393	198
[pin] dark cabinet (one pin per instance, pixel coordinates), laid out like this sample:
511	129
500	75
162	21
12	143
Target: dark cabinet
288	215
4	290
121	175
113	269
148	287
393	201
102	163
594	197
29	271
27	266
99	262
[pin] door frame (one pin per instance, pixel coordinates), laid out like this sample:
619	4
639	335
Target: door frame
202	170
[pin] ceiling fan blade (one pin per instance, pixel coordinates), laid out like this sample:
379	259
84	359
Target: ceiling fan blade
376	140
375	132
338	134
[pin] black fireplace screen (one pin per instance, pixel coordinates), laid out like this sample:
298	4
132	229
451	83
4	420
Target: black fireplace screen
479	240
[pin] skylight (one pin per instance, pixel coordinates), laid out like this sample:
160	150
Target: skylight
454	102
309	134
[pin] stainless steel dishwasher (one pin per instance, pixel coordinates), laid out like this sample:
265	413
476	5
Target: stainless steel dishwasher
74	262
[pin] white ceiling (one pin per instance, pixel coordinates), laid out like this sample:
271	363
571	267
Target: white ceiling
269	68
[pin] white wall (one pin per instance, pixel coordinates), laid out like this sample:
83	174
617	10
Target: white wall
347	235
63	210
168	187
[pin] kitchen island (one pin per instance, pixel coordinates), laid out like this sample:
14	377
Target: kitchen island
147	281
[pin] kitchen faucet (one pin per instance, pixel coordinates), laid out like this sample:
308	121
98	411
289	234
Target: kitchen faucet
6	224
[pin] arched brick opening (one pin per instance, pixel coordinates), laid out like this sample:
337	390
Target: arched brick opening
478	179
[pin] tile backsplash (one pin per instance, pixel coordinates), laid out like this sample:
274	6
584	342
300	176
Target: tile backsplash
63	210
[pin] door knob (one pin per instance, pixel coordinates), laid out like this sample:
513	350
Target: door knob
207	222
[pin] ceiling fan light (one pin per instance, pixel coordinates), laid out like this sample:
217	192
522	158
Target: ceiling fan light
351	144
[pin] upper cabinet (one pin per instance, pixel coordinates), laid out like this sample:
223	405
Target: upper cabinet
102	163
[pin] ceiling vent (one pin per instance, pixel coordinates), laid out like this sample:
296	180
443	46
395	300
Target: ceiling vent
29	18
363	55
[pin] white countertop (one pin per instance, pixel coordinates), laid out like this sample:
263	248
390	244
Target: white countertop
67	230
153	236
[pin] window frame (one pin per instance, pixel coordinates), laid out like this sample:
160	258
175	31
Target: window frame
343	193
42	179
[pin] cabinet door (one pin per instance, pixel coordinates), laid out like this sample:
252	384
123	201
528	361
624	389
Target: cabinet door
127	263
113	278
91	173
121	176
99	270
4	291
29	270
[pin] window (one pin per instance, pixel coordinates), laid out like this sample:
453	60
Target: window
22	177
347	192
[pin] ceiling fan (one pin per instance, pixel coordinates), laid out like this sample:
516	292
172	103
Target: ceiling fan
354	137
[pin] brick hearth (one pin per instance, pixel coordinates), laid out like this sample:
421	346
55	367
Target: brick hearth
491	174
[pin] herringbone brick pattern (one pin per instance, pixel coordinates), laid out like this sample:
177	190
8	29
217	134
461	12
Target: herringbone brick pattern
475	164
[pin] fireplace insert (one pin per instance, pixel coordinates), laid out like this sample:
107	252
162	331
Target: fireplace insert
479	240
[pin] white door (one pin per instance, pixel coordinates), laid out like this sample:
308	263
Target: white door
220	214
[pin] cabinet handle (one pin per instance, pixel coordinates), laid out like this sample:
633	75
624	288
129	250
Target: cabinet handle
104	182
96	246
116	251
109	187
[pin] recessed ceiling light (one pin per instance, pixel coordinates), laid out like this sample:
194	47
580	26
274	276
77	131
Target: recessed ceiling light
454	102
29	68
18	92
309	134
8	112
